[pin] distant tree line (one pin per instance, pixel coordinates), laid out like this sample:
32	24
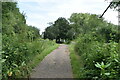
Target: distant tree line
63	30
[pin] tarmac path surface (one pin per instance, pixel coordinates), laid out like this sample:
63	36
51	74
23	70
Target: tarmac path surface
55	65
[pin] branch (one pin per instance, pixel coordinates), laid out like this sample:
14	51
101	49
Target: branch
105	10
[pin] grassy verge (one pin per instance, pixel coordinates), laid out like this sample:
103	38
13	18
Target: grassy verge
41	56
75	62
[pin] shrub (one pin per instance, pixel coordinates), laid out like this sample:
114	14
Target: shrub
100	59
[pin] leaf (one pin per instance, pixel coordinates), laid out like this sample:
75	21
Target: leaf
107	65
107	74
102	63
98	65
2	52
116	60
15	65
23	63
2	60
6	56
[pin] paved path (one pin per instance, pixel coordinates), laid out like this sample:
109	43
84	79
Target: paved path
55	65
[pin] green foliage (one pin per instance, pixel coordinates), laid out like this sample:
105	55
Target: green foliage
81	23
76	63
101	60
60	30
114	4
19	55
50	33
102	66
20	43
84	22
96	47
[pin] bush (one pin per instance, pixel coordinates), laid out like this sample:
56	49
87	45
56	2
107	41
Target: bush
20	42
18	55
100	59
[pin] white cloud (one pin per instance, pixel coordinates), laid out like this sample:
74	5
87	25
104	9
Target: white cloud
41	12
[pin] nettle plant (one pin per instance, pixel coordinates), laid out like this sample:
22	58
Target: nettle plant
103	66
110	67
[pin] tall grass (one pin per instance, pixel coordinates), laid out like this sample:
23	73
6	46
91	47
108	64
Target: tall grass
76	63
38	58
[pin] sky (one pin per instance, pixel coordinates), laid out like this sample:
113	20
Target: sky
40	12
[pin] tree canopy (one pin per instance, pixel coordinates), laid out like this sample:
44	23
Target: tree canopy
79	23
60	30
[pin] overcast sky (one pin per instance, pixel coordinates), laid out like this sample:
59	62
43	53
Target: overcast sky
41	12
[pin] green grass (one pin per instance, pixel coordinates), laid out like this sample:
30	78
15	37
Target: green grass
75	62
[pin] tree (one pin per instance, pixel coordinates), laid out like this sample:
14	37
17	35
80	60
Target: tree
113	4
84	22
60	30
63	27
49	33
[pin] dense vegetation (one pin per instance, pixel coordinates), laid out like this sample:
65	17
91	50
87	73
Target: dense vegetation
95	46
60	30
96	51
21	44
95	54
